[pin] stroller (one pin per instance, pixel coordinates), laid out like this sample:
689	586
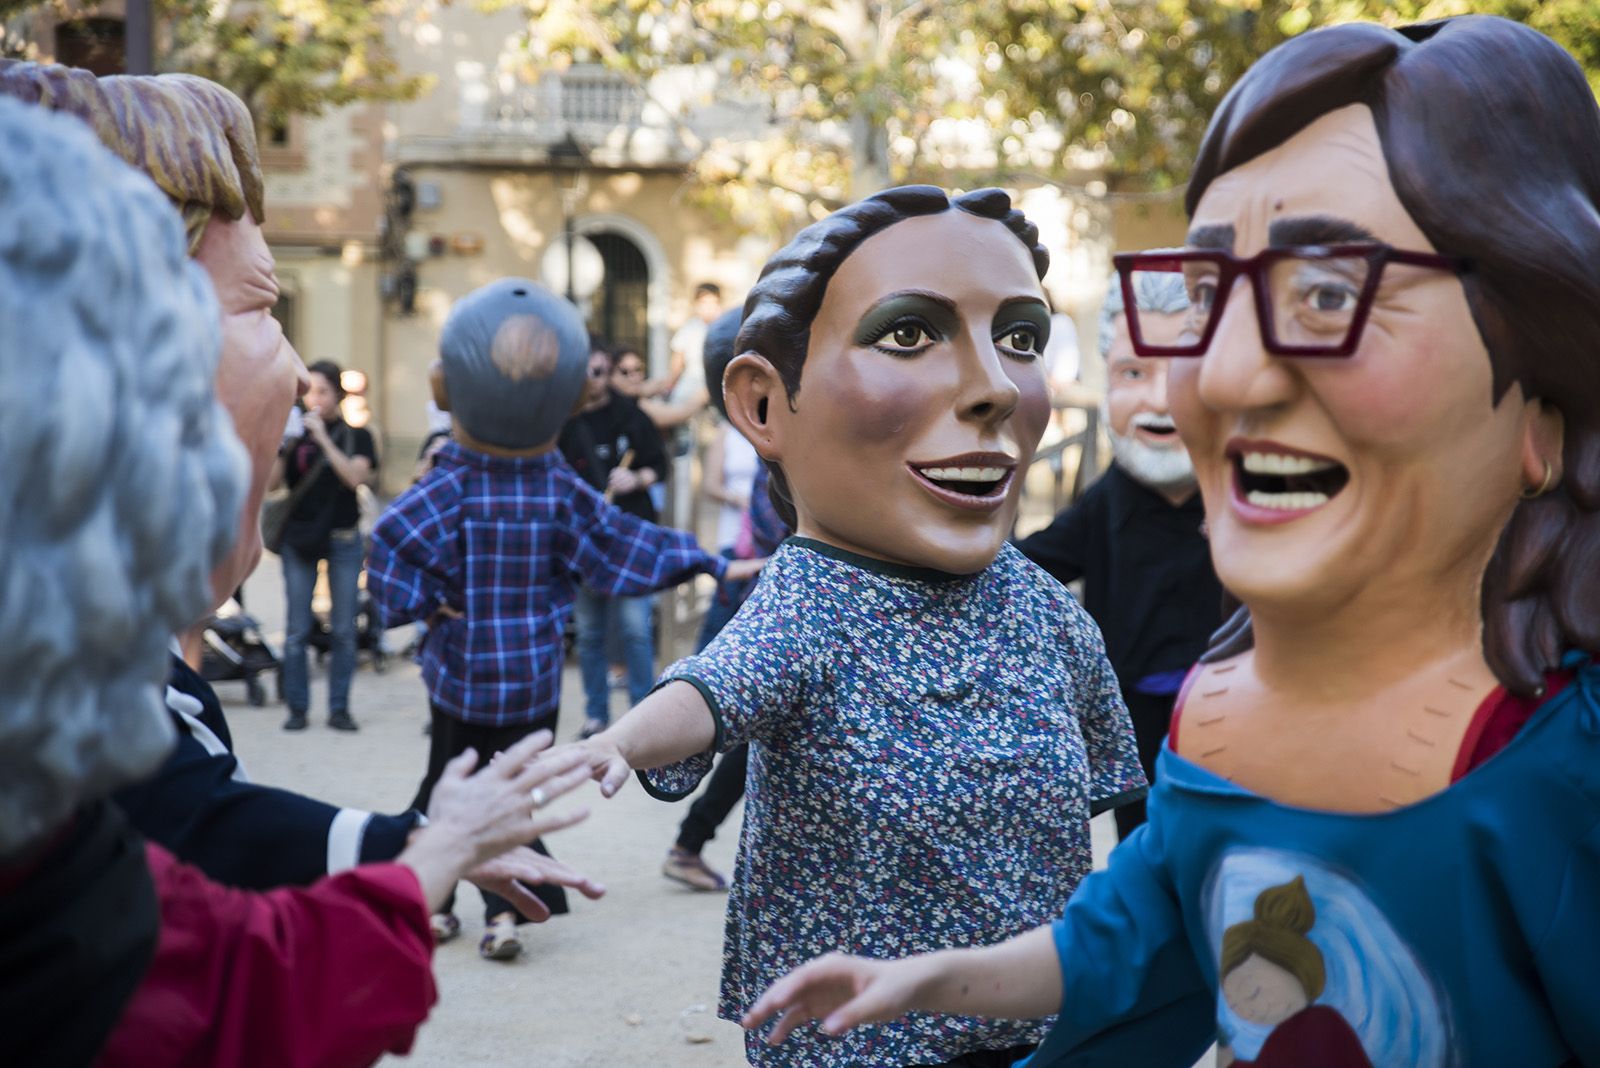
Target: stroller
369	634
233	650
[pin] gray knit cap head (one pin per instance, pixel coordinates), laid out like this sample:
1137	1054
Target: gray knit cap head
515	356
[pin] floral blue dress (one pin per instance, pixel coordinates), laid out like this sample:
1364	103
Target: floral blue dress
925	753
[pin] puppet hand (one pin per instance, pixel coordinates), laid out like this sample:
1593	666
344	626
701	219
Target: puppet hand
841	991
605	761
742	570
512	872
503	805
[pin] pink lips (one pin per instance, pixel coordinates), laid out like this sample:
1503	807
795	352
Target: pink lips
967	502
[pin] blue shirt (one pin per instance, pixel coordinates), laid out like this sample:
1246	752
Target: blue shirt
503	540
925	753
1459	931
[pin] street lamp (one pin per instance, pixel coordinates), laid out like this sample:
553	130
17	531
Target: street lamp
567	155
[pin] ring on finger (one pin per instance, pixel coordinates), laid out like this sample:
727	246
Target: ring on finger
539	799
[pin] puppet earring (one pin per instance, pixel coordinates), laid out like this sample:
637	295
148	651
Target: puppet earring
1544	487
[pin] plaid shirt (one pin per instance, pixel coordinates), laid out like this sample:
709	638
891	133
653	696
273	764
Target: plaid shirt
503	541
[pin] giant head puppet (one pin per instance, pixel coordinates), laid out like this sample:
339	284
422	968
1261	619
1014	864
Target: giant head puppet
120	478
197	142
889	375
512	362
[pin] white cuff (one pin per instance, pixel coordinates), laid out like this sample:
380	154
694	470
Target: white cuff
349	826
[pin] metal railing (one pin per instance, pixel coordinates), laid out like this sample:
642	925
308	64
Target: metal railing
589	104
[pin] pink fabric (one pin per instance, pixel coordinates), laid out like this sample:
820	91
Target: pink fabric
333	975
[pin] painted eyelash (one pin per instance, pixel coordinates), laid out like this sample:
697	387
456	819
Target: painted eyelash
1023	324
917	321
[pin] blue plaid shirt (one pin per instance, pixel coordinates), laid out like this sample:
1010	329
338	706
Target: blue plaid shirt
503	541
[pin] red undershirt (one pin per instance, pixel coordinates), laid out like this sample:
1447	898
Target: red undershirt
1494	724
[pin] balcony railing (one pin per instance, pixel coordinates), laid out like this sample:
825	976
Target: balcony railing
592	105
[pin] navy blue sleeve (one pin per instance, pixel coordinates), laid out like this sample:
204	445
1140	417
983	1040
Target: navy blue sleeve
250	836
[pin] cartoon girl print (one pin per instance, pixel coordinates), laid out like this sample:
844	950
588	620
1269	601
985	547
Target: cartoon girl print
1312	975
1272	974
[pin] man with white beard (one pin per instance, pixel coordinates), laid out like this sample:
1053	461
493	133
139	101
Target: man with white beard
1134	537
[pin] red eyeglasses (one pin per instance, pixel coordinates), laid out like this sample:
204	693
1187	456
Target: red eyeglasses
1311	300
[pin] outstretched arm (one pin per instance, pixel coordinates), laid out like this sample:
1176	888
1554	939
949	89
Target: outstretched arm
1019	979
671	724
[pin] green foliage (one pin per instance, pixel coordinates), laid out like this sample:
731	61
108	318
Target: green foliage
283	57
288	57
1058	88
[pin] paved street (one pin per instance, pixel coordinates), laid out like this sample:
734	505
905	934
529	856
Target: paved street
611	983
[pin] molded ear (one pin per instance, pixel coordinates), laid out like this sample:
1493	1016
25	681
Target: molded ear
754	393
441	393
1542	443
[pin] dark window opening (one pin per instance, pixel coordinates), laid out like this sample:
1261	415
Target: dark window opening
620	310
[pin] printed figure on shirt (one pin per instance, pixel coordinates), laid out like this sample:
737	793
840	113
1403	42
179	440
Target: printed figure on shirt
489	546
931	720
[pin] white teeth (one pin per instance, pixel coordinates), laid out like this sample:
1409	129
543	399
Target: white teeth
964	474
1277	463
1287	502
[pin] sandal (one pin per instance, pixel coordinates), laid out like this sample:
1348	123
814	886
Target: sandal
500	941
446	927
692	871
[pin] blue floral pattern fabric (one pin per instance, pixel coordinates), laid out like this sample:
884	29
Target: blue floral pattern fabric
926	751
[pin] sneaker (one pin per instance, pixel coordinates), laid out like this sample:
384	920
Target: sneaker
446	928
682	866
296	722
500	941
341	721
591	727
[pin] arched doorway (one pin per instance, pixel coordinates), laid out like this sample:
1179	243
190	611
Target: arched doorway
620	309
655	292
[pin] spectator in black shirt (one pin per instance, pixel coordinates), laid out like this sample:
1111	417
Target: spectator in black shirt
1134	537
332	458
619	451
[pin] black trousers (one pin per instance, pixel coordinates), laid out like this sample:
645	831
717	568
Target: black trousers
1151	716
449	739
722	792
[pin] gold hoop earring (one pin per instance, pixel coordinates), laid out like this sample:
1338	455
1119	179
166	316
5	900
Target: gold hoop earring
1544	487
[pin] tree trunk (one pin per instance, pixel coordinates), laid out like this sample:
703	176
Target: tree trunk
869	142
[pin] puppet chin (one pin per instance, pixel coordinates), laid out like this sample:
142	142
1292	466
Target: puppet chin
1161	469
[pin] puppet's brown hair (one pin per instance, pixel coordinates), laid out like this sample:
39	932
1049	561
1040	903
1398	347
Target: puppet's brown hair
1492	139
195	139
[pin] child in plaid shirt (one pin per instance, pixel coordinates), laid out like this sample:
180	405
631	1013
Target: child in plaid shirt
486	547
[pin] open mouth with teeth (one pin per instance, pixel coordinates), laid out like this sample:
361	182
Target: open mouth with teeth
1287	482
966	484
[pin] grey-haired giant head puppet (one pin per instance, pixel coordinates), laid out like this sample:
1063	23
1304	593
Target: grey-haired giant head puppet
512	362
120	475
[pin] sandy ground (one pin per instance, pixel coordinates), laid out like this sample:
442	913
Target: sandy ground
625	981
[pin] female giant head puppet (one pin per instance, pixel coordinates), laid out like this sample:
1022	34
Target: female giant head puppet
1390	385
889	375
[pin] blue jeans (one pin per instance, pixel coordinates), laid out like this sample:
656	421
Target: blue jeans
346	555
595	614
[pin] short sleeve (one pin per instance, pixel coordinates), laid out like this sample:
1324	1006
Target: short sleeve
1116	777
751	676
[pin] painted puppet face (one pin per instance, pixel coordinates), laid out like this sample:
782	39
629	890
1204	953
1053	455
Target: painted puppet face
1137	415
1389	473
258	376
923	396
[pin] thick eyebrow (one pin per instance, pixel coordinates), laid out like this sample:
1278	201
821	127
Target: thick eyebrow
1317	230
1214	236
